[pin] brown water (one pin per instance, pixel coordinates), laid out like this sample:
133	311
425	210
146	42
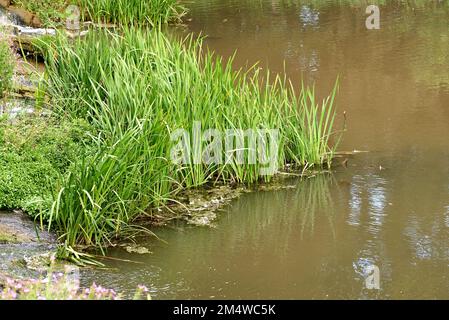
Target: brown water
388	207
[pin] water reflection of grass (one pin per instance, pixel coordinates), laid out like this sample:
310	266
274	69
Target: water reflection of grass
277	220
313	198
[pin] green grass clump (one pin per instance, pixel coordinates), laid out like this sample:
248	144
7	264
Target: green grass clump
150	12
139	87
102	194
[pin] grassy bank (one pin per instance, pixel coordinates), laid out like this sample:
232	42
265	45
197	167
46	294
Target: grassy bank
149	12
136	89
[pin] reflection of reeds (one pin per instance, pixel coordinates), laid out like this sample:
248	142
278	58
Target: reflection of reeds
313	198
276	220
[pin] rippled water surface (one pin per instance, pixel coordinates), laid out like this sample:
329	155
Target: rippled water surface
388	207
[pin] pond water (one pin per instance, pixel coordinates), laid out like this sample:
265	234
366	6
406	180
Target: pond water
388	207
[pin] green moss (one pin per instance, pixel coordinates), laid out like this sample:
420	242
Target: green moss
33	154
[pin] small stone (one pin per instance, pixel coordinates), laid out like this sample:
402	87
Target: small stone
16	227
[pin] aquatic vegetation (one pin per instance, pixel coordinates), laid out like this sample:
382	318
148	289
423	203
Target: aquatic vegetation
136	89
100	195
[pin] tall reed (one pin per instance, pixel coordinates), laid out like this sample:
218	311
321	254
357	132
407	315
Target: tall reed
136	89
